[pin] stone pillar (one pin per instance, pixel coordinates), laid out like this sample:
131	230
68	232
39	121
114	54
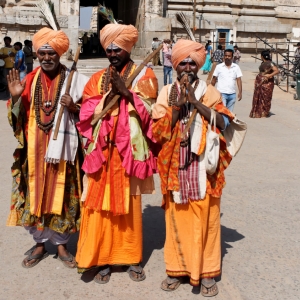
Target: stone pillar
150	24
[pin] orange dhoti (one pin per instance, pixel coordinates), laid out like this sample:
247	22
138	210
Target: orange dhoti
106	239
193	238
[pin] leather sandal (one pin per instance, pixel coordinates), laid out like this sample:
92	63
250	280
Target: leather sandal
207	286
64	259
37	257
103	275
170	284
135	270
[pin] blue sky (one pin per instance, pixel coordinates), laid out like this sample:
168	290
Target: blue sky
85	17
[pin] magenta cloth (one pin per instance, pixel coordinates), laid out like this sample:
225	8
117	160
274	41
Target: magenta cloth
94	161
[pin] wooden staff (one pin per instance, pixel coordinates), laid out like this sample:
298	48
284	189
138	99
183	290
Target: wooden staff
128	82
208	80
68	87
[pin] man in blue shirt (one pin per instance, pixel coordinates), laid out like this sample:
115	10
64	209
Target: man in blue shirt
20	60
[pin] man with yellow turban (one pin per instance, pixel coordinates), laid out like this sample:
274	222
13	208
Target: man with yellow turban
46	172
191	196
120	161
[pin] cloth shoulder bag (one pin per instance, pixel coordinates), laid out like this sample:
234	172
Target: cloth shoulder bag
212	149
235	134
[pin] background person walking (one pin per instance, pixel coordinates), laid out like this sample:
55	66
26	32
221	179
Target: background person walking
236	55
20	60
207	66
228	73
7	53
28	55
218	55
168	69
263	87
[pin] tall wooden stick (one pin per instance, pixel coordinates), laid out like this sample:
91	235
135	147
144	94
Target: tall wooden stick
128	82
68	87
193	115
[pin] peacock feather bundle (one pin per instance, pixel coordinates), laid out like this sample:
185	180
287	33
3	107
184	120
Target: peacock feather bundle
183	21
48	13
107	14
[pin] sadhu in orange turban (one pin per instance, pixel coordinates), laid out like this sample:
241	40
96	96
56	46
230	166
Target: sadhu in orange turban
122	36
188	49
57	40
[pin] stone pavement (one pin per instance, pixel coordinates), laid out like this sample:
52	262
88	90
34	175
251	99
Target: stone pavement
260	220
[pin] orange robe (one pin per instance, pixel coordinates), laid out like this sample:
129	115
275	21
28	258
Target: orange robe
107	237
193	242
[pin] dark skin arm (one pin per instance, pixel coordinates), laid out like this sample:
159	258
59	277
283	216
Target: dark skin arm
118	87
181	101
275	71
214	81
19	64
239	84
202	109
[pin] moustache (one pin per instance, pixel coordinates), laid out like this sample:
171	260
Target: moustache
114	58
190	75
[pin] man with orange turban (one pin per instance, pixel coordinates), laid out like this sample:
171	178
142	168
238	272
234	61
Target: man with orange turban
191	195
120	161
46	172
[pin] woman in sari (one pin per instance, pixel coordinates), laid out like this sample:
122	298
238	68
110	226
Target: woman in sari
263	87
207	66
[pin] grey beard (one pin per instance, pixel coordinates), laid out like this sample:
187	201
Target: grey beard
191	76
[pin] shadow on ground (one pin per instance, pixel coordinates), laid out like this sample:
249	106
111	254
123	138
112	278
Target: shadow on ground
154	231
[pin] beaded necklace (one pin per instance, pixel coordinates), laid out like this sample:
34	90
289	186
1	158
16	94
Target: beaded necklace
106	77
174	93
39	103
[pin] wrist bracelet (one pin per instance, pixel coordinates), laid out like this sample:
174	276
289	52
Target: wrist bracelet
175	107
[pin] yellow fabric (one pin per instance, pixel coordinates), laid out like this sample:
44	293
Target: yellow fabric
193	248
60	183
9	61
106	239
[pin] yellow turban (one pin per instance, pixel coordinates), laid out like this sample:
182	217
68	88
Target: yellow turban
188	49
58	40
123	36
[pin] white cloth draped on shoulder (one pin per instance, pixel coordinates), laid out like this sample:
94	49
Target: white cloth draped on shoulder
65	147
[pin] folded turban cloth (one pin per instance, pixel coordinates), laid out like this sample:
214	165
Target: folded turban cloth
188	49
123	36
58	40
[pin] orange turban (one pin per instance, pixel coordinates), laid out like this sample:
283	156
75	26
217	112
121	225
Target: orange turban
188	49
123	36
58	40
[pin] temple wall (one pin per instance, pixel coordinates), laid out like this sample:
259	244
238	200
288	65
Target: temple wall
21	19
241	20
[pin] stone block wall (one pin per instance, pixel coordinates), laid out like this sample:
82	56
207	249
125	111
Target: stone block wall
21	19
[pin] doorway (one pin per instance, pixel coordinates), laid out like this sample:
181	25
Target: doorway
223	37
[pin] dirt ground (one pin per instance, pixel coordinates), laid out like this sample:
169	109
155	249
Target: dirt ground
260	219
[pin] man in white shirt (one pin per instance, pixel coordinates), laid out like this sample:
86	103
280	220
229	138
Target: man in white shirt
228	73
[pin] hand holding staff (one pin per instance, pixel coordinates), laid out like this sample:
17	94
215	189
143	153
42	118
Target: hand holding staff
67	92
127	84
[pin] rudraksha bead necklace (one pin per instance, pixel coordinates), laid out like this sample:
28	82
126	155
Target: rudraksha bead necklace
106	77
38	103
